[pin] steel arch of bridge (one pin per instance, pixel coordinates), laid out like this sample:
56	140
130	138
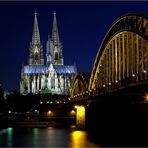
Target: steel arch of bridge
122	58
132	29
79	85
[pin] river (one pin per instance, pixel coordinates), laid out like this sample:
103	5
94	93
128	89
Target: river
45	137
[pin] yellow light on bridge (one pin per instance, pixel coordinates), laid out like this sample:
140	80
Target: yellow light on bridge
49	113
80	116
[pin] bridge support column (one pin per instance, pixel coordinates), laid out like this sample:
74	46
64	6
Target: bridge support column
80	117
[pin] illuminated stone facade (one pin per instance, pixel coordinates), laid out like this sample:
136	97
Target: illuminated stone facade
53	76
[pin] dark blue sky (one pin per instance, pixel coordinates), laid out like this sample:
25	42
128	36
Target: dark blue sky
82	25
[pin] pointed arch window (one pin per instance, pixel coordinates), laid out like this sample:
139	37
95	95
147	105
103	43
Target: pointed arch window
56	56
36	57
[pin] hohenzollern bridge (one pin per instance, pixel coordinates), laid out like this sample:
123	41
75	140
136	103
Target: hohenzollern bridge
120	68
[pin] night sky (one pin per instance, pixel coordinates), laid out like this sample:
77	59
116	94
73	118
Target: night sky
82	26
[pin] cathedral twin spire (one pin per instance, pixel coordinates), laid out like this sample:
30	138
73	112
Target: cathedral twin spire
35	34
36	56
54	48
55	33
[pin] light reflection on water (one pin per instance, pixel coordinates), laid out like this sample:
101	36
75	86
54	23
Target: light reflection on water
10	136
35	136
79	139
44	137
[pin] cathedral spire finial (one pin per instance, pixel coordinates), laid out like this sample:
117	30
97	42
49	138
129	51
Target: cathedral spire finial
55	33
35	34
35	13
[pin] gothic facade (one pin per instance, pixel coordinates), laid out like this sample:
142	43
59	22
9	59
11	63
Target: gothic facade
53	75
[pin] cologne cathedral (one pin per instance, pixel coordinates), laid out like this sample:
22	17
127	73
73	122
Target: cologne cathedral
51	74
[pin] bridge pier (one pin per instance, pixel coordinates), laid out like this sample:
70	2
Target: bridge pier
80	117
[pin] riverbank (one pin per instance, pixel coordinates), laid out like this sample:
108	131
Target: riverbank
35	124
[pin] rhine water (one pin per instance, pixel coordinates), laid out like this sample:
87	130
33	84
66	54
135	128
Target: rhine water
45	137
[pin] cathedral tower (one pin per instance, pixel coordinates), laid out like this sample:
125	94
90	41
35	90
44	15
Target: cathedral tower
36	56
53	77
54	47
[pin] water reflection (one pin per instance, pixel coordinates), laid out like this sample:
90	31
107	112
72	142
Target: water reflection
79	139
44	137
9	136
35	136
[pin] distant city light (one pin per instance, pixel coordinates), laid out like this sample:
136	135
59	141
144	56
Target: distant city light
72	112
146	97
49	113
9	111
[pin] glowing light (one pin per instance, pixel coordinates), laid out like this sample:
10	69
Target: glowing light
80	116
116	81
9	111
133	75
51	102
144	71
47	102
41	102
103	85
35	110
109	83
78	139
49	113
72	112
146	97
75	106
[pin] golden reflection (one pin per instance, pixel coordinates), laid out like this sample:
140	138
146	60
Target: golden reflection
78	139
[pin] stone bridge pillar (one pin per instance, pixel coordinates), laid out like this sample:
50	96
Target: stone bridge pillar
80	117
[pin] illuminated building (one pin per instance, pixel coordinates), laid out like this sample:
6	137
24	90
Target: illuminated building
54	75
